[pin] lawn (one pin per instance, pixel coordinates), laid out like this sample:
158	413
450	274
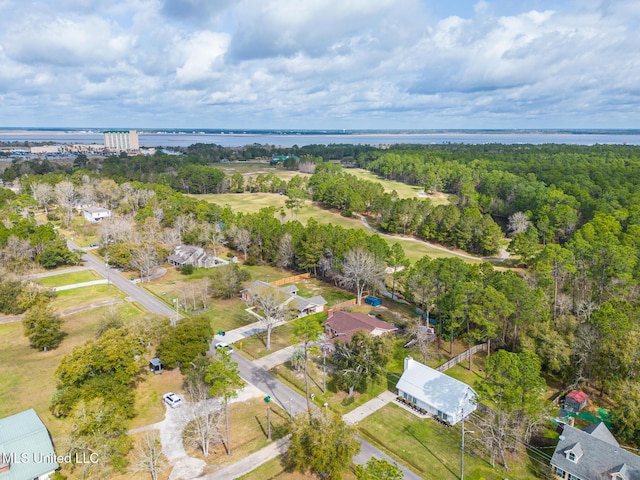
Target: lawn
255	346
338	400
428	448
229	314
69	278
248	422
67	299
402	189
274	470
27	375
310	287
149	405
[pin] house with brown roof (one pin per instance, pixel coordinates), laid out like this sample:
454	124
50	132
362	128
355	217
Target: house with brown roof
342	325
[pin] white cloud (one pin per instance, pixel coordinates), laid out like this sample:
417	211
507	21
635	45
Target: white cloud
382	63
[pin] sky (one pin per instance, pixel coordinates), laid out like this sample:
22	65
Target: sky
320	64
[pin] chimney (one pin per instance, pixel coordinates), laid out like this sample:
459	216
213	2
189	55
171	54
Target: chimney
329	313
406	361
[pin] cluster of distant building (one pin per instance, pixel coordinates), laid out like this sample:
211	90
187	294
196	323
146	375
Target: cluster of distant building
115	141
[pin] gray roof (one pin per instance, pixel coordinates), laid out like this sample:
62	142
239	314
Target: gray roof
437	389
601	457
300	303
26	437
96	210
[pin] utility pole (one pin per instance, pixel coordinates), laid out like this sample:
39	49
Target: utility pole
462	448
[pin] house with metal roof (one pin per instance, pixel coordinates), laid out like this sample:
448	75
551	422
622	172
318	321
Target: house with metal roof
26	450
439	394
95	214
592	453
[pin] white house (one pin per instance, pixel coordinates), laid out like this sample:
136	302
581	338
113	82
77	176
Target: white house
439	394
95	214
196	256
289	296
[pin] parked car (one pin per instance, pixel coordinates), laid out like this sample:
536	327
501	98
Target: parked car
224	346
93	245
172	399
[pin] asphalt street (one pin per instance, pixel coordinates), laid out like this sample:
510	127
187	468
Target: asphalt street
288	399
293	403
136	293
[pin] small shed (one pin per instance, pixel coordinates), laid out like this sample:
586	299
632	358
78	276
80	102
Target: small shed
575	401
155	365
373	301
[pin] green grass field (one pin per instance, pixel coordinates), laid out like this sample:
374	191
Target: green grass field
430	449
77	297
27	375
253	202
69	278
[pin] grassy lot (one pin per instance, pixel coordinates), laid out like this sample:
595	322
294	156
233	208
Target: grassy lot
430	449
149	406
69	278
274	470
248	421
309	287
255	346
27	375
77	297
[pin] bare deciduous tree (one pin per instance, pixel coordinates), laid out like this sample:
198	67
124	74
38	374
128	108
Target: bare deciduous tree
242	240
272	304
518	223
43	194
423	337
360	269
145	260
16	254
65	193
115	229
147	456
204	417
286	252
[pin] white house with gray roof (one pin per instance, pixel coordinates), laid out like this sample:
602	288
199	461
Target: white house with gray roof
593	454
439	394
26	451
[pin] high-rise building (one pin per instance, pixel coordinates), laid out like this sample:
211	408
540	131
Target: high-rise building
121	140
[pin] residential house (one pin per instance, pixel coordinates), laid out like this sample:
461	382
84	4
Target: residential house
26	450
342	325
575	401
196	256
289	294
95	214
439	394
592	453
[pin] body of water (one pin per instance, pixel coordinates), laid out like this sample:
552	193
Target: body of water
184	138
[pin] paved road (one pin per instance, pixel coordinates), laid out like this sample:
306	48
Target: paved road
292	402
137	293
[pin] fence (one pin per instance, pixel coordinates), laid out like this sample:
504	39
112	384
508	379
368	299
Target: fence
295	278
343	305
463	356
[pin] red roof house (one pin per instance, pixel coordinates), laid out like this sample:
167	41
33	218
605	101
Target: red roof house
575	401
342	325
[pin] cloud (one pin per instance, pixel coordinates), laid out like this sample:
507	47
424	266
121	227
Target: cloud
361	63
